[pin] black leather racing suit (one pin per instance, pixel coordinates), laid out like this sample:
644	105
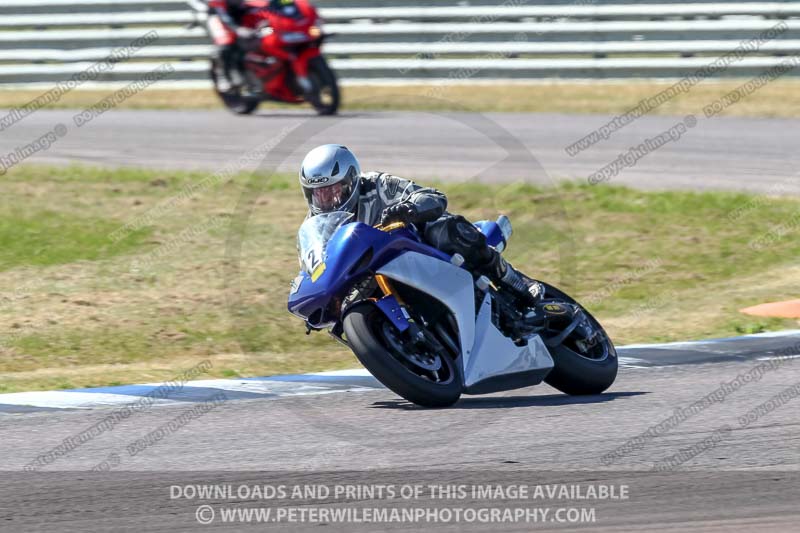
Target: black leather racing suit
452	234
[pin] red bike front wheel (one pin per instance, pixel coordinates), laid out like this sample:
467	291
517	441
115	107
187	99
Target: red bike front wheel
234	100
324	96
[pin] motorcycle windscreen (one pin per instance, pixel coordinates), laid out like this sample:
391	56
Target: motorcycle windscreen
313	237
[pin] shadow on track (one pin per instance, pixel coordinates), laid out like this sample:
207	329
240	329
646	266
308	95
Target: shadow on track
510	402
299	113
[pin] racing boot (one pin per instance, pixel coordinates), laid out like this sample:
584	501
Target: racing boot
529	292
226	69
223	84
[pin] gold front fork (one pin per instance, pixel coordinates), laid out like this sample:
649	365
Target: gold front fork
383	281
386	287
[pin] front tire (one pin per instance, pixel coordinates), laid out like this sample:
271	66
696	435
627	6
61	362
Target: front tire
364	326
576	374
234	100
325	96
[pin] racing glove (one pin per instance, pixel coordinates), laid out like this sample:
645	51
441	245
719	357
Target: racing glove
400	212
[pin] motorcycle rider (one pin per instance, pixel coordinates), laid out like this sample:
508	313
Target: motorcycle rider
225	27
331	179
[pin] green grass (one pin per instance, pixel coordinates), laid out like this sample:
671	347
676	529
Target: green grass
80	308
780	98
31	238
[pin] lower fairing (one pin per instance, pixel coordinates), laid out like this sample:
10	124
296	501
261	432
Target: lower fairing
489	361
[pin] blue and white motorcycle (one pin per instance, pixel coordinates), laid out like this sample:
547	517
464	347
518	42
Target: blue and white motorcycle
428	328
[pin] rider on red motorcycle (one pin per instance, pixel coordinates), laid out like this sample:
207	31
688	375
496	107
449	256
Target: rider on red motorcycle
225	27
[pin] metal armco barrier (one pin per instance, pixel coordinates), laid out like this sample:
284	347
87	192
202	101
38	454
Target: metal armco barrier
50	40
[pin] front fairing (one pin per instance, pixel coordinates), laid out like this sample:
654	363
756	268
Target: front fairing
355	250
320	284
314	236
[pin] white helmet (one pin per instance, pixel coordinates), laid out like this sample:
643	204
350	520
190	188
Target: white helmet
330	176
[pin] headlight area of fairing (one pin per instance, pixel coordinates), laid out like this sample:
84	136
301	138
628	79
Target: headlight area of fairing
354	252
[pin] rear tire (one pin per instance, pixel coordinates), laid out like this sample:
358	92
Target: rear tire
362	326
325	96
573	373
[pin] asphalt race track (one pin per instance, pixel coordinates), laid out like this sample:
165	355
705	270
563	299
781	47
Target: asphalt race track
747	477
719	153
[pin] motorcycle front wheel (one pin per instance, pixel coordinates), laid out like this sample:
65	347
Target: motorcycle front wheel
421	376
235	100
325	95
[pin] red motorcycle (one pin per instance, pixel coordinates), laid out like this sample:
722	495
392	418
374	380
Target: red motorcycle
283	61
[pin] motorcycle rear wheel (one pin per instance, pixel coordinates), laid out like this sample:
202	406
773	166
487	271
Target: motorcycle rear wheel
365	328
577	374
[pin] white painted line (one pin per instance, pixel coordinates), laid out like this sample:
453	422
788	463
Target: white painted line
280	386
69	400
768	334
786	333
353	372
632	362
776	357
303	385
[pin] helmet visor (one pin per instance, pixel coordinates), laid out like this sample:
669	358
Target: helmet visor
332	197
